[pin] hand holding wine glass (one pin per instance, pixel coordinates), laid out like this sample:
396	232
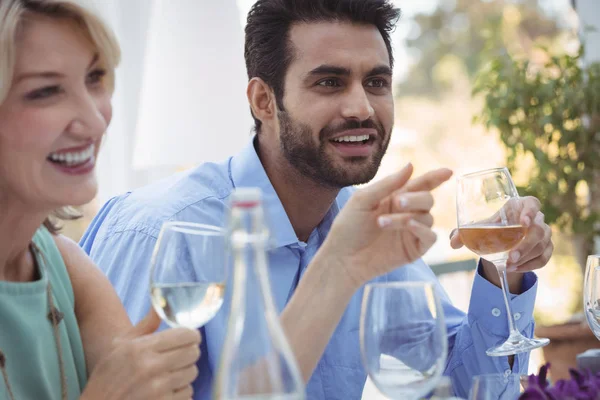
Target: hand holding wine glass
147	365
536	248
188	274
490	223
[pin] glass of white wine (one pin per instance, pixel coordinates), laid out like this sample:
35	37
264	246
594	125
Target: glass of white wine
489	210
188	273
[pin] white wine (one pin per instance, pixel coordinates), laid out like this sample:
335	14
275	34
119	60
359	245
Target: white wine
189	305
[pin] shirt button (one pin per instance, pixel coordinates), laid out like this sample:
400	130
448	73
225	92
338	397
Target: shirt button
507	372
496	312
517	316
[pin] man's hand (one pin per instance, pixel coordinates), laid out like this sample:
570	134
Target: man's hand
385	225
382	227
532	253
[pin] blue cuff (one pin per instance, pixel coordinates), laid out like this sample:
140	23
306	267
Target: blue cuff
487	304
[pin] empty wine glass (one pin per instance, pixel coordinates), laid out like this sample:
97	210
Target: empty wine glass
403	338
188	273
495	387
591	294
489	223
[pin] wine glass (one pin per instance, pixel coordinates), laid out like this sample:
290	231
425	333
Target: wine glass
495	387
403	338
188	273
591	294
489	224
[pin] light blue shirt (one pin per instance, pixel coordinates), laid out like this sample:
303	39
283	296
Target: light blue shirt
122	236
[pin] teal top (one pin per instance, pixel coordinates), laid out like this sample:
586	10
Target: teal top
27	336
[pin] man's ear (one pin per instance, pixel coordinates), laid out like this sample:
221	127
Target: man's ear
262	100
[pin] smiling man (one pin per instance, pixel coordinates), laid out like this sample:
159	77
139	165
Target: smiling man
320	93
326	125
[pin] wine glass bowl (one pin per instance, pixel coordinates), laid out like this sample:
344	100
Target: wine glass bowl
489	213
591	294
188	273
405	352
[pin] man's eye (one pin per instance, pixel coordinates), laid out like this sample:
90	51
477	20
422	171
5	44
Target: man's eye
329	83
377	83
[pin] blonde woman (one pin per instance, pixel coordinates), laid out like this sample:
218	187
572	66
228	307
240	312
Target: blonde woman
63	331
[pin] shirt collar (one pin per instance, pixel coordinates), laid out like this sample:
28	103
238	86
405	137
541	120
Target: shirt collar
248	171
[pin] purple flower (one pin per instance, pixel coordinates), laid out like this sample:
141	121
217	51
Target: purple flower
582	386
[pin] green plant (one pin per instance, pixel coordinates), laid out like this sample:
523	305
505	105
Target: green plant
548	116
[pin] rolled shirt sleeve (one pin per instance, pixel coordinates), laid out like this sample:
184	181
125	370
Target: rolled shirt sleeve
486	325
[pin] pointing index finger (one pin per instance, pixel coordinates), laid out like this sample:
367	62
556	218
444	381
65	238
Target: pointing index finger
428	181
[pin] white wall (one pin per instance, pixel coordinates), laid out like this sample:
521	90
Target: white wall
180	93
589	15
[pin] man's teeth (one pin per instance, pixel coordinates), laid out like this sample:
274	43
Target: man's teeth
361	138
73	158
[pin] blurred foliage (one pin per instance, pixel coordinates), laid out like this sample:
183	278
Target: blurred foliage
562	276
549	113
468	31
452	48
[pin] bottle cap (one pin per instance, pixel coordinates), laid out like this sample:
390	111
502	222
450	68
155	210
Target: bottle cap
246	197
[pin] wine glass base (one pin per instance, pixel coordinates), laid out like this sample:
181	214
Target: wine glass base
516	345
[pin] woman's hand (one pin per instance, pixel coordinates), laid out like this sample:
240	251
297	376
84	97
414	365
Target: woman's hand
147	365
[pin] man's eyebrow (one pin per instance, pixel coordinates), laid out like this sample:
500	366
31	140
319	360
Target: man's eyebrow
326	69
380	70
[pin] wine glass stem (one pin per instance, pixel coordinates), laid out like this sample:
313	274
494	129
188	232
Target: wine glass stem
501	267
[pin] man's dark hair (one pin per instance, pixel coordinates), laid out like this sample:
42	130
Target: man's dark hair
268	51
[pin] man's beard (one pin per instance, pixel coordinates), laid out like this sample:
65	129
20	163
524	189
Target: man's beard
314	162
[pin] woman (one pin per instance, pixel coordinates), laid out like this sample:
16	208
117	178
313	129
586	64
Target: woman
63	331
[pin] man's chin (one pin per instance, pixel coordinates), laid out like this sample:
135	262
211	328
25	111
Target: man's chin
345	177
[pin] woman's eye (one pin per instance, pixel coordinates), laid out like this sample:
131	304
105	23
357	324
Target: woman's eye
43	93
96	76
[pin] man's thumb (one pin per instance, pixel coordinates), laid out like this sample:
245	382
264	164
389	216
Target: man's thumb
146	326
455	241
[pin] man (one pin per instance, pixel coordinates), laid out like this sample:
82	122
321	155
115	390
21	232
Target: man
320	93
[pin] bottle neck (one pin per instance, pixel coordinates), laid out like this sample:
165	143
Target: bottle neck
246	218
248	242
256	362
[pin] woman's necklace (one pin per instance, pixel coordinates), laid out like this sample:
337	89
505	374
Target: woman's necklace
55	316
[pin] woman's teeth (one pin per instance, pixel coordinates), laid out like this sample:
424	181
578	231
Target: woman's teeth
73	158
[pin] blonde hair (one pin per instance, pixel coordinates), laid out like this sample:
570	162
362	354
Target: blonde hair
14	13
